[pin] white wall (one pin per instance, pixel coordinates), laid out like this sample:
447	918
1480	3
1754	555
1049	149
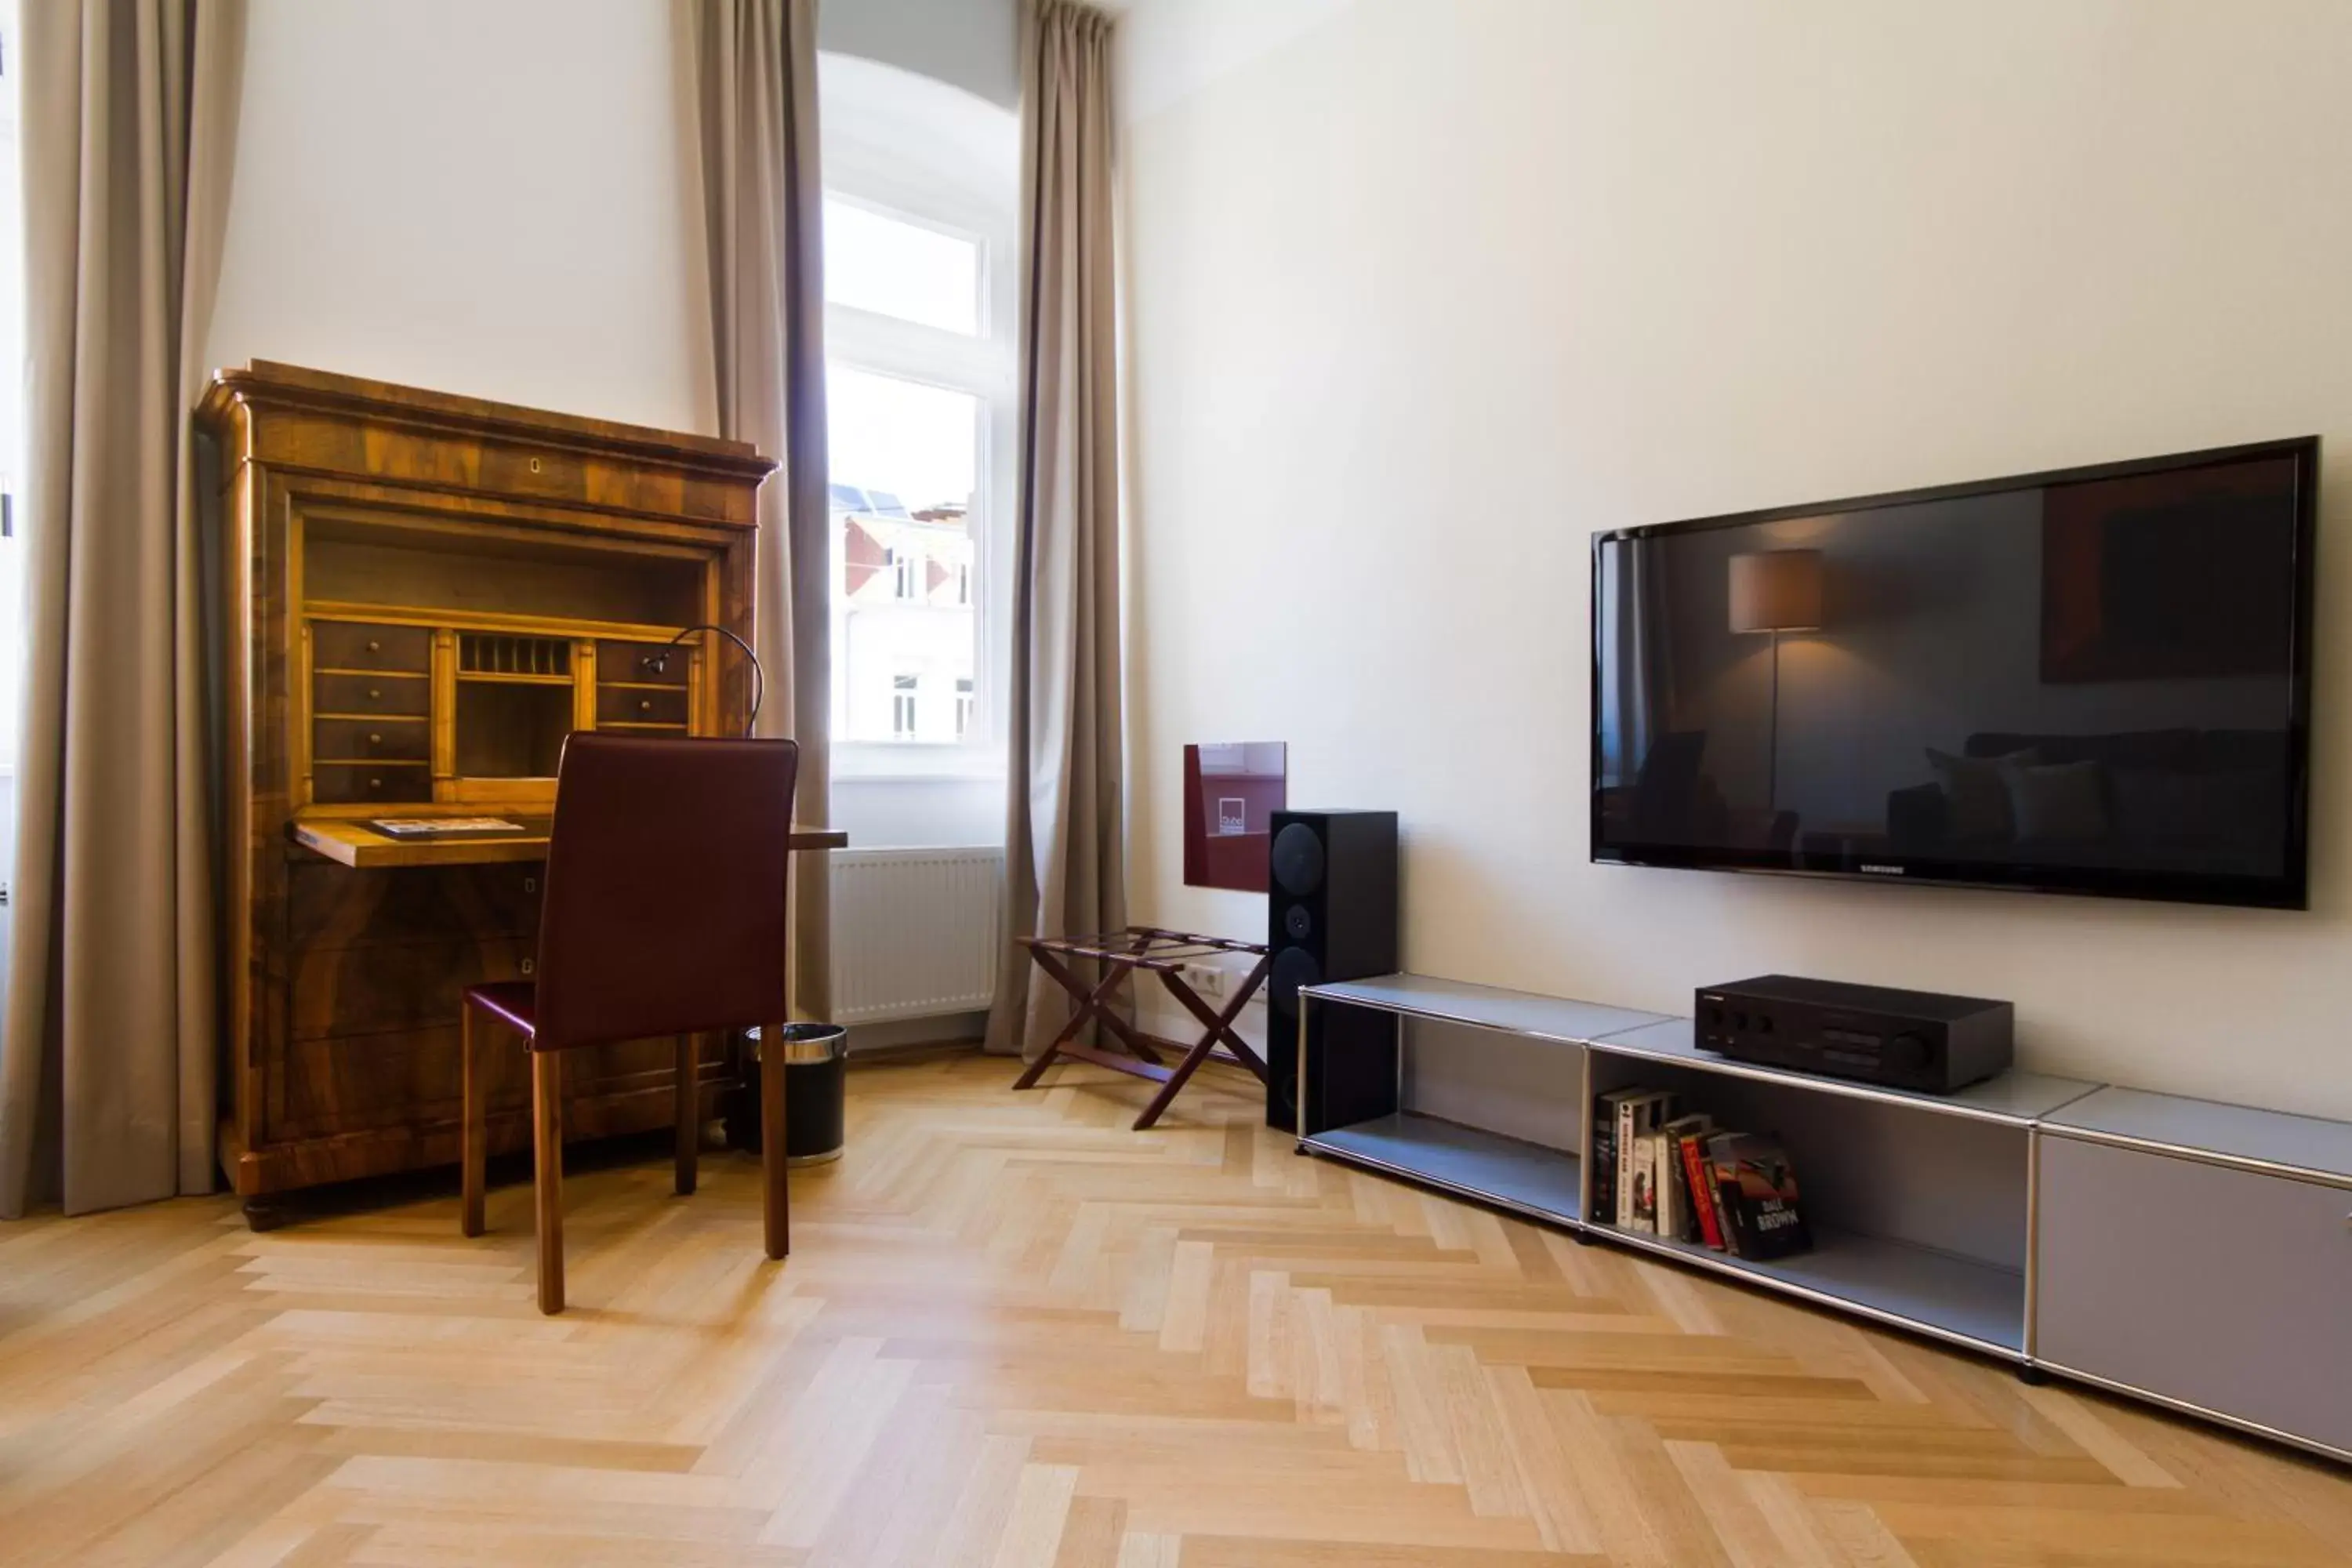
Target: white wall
491	198
920	812
1420	297
971	44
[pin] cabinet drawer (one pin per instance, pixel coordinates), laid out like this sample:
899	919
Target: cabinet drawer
362	1083
628	705
360	784
357	645
396	985
410	694
328	907
524	470
368	740
627	661
2223	1288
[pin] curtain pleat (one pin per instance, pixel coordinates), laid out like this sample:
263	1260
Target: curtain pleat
763	188
1066	837
107	1064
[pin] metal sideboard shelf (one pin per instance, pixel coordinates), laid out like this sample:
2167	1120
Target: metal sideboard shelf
1996	1218
1541	1180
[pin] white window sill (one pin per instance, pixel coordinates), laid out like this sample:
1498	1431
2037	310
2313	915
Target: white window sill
860	761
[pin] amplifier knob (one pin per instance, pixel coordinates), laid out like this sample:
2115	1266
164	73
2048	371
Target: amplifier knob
1908	1051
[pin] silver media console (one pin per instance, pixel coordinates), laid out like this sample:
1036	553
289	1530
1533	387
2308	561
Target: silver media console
2064	1226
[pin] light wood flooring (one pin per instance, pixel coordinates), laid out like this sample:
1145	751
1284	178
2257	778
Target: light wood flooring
1014	1332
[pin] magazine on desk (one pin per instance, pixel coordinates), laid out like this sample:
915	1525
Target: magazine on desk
445	826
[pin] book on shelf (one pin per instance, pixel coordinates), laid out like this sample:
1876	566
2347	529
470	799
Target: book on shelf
1662	1185
1640	1111
1756	1195
1604	1152
1645	1183
1690	1148
1678	1211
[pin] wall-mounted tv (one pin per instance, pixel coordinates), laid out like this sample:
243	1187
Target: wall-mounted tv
2090	681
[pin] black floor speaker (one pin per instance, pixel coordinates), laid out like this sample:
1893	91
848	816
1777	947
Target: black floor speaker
1331	907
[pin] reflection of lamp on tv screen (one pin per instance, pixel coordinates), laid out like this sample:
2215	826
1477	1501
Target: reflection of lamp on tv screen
1232	791
1776	591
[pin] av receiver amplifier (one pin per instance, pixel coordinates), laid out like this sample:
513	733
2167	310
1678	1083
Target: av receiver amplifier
1904	1039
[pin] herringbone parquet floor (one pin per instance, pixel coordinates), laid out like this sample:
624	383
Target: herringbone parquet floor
1014	1332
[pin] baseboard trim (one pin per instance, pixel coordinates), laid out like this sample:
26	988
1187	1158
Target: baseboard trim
896	1035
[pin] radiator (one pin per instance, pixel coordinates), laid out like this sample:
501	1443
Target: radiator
915	932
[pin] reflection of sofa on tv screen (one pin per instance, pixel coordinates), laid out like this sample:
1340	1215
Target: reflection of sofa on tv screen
2213	800
1675	801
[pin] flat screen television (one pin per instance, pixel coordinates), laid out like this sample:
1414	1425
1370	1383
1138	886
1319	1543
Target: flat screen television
2090	681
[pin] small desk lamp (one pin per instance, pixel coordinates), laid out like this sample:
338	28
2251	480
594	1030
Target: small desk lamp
659	662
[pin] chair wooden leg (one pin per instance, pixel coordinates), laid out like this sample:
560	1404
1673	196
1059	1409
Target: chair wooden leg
689	1094
547	1173
474	1157
775	1197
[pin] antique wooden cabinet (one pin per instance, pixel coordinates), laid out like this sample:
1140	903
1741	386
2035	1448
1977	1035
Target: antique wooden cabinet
423	595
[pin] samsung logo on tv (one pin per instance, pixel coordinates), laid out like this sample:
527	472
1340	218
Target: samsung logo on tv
1880	871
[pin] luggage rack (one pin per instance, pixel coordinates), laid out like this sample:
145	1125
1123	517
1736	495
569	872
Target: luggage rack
1122	954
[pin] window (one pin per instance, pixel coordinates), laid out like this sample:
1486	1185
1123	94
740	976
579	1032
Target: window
922	188
878	262
909	458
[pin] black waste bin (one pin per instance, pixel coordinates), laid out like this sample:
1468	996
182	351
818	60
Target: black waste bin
816	1057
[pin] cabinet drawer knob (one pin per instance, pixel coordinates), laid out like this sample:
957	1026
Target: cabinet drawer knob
529	965
644	704
375	739
375	692
375	647
375	784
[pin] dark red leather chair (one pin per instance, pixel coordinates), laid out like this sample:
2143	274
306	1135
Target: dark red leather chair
664	914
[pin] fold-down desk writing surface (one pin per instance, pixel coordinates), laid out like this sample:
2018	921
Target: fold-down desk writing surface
352	842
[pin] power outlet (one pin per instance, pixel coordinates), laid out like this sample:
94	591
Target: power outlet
1208	979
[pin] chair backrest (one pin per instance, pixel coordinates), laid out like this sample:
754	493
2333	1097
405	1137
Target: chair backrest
664	906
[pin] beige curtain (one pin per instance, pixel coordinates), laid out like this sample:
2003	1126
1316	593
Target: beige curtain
763	190
107	1064
1065	834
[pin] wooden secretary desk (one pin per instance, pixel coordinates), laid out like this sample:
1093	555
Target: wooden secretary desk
425	594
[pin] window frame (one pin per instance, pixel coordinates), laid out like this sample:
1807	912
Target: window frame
930	222
979	366
906	708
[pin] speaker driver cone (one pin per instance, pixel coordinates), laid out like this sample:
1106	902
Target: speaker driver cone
1299	859
1293	967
